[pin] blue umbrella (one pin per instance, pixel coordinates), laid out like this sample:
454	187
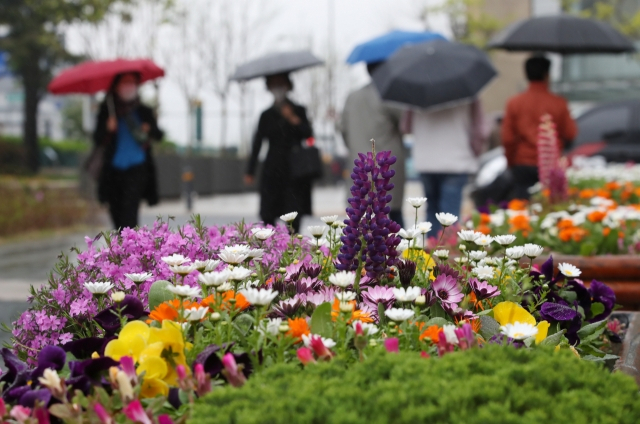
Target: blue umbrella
380	48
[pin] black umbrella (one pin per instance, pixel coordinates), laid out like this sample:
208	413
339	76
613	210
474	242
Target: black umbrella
562	34
275	63
435	73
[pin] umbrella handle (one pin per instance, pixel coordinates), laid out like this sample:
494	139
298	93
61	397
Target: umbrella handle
110	105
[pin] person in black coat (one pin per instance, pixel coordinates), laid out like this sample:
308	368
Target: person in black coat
284	125
124	130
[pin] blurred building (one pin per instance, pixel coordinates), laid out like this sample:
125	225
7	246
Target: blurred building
50	116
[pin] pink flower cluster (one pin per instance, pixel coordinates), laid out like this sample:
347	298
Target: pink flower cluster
62	307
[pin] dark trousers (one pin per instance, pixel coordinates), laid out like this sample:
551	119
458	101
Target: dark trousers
444	194
125	192
524	177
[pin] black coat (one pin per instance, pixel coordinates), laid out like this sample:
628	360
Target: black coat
279	193
109	140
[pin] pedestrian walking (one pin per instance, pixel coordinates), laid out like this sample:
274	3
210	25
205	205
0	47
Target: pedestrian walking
447	143
124	132
285	126
520	125
366	117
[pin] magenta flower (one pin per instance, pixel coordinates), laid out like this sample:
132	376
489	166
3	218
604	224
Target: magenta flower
483	290
392	345
135	412
128	366
232	372
305	355
465	336
446	289
203	380
102	414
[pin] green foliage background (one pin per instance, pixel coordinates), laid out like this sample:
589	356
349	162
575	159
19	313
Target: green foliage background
493	384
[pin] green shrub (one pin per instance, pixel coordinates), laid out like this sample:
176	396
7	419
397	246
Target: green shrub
489	385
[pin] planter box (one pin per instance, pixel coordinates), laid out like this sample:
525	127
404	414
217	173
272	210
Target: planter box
629	362
620	272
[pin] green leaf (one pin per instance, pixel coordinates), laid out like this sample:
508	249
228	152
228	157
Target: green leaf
61	411
321	323
489	328
436	321
529	341
437	311
158	293
554	339
604	358
587	249
596	328
596	309
244	323
382	318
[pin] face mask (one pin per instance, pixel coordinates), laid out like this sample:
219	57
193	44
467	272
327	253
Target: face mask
128	92
279	93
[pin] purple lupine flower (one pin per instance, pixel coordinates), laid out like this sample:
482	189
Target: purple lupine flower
379	294
446	288
368	219
483	290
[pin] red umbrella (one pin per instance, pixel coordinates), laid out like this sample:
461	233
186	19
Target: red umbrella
91	77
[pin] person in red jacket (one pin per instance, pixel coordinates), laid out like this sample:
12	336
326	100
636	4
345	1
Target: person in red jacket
520	125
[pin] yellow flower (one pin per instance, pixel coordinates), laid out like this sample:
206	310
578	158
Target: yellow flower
422	259
152	387
543	329
130	342
510	313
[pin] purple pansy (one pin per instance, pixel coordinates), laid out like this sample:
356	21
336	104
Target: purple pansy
602	293
553	312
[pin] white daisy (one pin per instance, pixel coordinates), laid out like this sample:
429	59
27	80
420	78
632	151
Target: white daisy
262	233
330	219
175	260
406	295
441	254
98	287
483	272
515	252
289	217
569	270
446	219
519	330
399	314
140	277
416	202
260	297
342	279
505	239
533	250
185	291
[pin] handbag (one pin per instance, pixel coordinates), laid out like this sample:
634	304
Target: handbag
94	163
305	163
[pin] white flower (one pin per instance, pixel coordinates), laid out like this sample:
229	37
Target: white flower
196	314
342	279
175	259
483	272
328	343
533	250
416	202
248	284
477	255
483	240
239	273
288	217
214	278
424	227
497	218
206	265
441	254
536	207
235	254
345	296
505	239
461	260
569	270
318	242
139	277
224	287
98	287
367	328
51	380
450	333
262	233
185	291
399	314
519	330
273	326
316	230
468	235
182	269
515	252
446	219
260	297
256	253
409	234
406	295
330	219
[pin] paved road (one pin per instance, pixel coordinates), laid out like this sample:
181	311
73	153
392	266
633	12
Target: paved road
27	263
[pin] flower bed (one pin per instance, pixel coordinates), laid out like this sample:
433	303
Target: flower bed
158	318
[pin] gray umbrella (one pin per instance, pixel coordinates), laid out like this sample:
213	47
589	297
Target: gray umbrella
276	63
435	73
562	34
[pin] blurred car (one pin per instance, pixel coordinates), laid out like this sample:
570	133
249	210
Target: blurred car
610	130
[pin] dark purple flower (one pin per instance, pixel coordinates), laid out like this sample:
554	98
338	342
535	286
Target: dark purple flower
406	272
446	289
212	363
483	290
553	312
53	357
29	398
583	297
131	307
89	372
503	340
312	270
368	220
84	348
458	314
14	366
286	308
378	294
444	269
602	293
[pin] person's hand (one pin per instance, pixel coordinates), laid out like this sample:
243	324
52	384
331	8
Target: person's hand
289	114
248	179
112	124
145	127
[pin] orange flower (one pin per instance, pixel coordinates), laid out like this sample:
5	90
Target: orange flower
169	310
356	314
565	234
518	205
520	223
606	231
484	229
485	218
565	224
578	234
596	216
587	193
612	185
225	303
431	333
298	327
603	193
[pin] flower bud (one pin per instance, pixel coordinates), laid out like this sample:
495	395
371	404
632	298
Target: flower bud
373	343
421	300
283	328
545	286
117	296
299	236
124	385
346	307
282	270
254	275
462	247
215	316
